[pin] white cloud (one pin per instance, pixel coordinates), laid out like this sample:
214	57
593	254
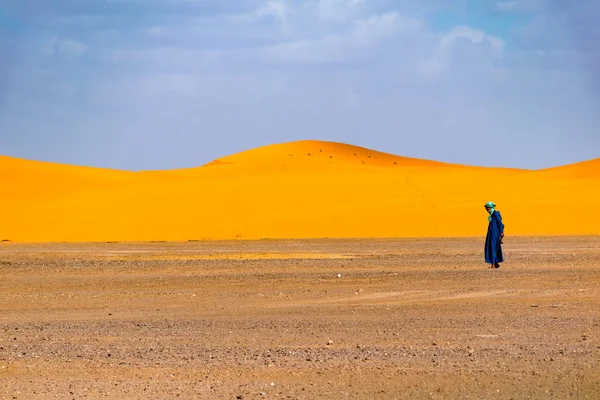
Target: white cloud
496	43
158	31
482	47
374	29
327	49
71	47
507	5
474	35
54	46
48	47
278	10
462	32
338	10
349	44
171	59
528	6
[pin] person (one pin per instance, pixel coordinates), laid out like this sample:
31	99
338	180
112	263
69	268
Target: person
495	236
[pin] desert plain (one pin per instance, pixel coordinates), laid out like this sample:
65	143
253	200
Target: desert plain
301	319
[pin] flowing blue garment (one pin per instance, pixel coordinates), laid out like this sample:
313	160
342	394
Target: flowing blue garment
493	247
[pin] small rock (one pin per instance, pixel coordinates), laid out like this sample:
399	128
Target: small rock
534	305
239	396
330	342
339	275
263	394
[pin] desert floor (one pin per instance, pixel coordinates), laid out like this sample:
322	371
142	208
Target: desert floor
407	319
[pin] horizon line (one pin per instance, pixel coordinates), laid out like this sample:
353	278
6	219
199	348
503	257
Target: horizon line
293	142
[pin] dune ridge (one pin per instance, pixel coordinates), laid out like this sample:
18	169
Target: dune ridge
305	189
294	153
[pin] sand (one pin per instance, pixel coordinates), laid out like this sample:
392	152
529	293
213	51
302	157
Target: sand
306	189
270	319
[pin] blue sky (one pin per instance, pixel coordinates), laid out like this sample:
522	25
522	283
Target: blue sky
153	84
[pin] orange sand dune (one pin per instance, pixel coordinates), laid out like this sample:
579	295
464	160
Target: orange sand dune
586	169
304	189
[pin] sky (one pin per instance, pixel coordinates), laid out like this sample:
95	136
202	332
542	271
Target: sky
161	84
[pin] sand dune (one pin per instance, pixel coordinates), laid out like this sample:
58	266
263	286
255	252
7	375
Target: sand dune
582	170
304	189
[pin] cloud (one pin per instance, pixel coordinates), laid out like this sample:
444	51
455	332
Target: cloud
524	6
351	44
71	47
275	9
158	31
376	28
338	10
475	36
463	44
57	47
507	5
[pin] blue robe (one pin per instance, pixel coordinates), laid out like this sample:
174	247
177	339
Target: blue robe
493	247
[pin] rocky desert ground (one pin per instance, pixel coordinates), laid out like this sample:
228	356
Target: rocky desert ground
311	319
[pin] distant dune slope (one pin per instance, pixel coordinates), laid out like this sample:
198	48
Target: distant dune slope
586	169
25	179
304	189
